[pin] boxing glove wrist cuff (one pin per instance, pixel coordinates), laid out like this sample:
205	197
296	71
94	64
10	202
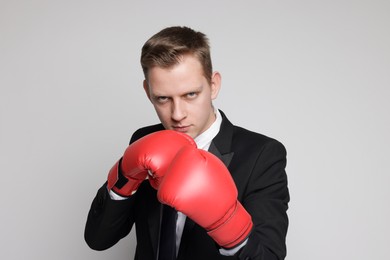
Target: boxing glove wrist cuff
234	230
119	183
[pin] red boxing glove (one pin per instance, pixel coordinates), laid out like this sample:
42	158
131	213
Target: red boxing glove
151	154
200	186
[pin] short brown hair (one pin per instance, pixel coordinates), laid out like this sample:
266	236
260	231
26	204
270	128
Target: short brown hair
167	47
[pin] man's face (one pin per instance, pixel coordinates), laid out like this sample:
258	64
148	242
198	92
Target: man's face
182	96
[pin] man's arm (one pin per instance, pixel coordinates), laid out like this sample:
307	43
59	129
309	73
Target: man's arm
108	220
266	200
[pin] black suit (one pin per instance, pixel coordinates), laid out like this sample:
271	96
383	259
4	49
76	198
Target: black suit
257	165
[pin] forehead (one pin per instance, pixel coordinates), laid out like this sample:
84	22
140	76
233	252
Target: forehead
185	76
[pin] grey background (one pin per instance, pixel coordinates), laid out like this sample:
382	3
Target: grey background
313	74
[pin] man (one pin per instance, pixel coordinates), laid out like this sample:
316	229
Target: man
231	200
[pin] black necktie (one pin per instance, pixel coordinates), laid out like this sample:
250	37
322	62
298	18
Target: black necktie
167	244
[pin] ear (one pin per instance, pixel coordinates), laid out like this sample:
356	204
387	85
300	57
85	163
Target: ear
146	88
215	84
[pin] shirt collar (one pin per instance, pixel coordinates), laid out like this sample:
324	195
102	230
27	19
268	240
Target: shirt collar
203	141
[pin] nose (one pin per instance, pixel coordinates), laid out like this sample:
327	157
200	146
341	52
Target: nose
178	111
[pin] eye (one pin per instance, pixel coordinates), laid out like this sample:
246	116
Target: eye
161	99
192	95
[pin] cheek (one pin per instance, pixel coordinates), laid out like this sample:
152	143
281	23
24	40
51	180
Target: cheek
163	113
205	104
159	111
201	110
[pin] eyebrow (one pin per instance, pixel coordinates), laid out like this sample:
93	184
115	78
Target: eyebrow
196	90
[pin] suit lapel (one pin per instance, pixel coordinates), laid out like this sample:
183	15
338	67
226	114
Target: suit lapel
221	146
225	158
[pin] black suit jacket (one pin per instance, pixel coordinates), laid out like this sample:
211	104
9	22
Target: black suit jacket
257	165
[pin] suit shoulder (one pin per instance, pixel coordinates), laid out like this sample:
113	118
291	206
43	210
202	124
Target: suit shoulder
247	138
141	132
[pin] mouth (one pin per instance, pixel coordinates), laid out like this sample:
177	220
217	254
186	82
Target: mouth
181	129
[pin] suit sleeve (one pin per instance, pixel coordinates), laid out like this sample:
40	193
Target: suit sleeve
108	220
266	199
